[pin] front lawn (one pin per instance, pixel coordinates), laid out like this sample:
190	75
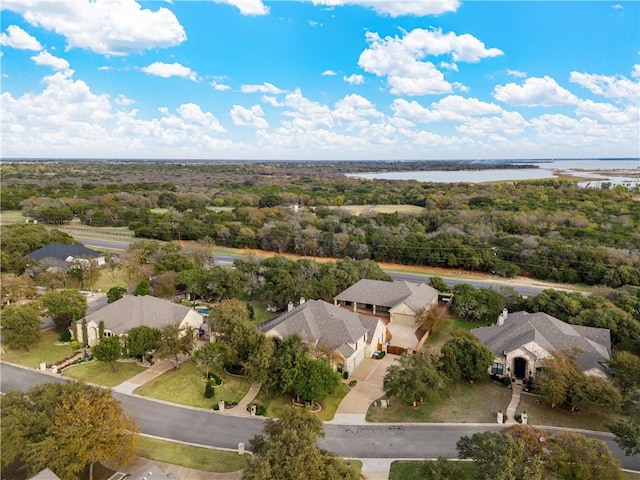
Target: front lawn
409	470
595	418
45	350
276	404
102	373
186	387
199	458
440	336
464	403
119	278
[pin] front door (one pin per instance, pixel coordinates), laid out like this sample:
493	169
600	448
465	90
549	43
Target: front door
519	367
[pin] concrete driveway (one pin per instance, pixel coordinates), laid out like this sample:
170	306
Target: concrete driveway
370	376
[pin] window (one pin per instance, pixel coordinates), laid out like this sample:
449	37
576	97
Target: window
497	369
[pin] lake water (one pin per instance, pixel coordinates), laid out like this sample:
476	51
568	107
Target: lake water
545	170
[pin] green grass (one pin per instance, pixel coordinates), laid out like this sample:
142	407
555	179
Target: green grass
276	404
358	209
12	216
185	386
206	459
260	313
43	351
440	336
594	418
101	373
410	470
107	280
464	403
631	475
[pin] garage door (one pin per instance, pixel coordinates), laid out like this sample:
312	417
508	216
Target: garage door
358	359
404	319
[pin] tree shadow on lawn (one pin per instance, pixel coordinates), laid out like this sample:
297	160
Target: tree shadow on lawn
276	404
185	386
463	403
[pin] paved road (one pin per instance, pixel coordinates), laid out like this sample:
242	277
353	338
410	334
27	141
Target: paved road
356	441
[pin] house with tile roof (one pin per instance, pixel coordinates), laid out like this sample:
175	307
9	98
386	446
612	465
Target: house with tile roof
351	336
132	311
520	340
59	255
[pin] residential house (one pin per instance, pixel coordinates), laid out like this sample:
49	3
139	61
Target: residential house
46	474
134	311
60	256
520	340
397	303
152	472
350	336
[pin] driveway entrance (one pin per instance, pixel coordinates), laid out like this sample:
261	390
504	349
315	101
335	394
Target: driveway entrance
370	376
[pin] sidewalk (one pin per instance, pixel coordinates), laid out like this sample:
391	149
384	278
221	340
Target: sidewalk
516	390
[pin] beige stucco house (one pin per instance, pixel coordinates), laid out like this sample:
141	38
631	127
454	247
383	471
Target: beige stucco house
520	340
352	337
397	303
134	311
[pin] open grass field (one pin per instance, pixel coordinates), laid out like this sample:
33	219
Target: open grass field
101	373
410	470
186	387
119	278
206	459
595	418
276	404
359	209
464	403
44	350
12	216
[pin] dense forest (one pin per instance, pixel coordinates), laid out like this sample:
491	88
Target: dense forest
547	229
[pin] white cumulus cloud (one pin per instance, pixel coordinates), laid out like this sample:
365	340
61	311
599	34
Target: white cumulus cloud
247	7
402	59
109	27
57	63
221	87
264	88
168	70
328	73
16	37
617	86
396	8
517	73
249	117
543	92
354	79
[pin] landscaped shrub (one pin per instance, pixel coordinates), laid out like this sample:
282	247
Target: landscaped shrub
74	345
260	409
208	390
518	417
234	369
65	336
353	383
216	407
214	379
506	381
345	374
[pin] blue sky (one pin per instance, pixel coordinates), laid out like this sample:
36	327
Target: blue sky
320	79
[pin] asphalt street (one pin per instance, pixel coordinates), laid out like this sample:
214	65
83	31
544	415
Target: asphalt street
202	427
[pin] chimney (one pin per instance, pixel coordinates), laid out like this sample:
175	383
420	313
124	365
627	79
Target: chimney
289	306
503	316
302	300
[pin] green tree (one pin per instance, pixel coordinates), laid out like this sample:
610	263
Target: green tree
472	357
66	426
500	456
626	368
207	356
627	428
142	340
413	378
288	449
259	357
577	457
109	349
318	382
142	288
20	326
115	293
65	307
287	369
176	341
439	284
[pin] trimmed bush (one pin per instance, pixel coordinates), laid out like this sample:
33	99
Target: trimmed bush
65	336
353	383
208	390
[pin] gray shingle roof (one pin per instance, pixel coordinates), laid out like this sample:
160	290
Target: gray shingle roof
131	311
319	321
551	334
62	252
46	474
389	294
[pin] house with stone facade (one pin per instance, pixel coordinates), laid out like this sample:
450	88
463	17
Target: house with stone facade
348	336
132	311
520	340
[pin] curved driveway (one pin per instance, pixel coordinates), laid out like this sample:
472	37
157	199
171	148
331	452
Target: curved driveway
204	427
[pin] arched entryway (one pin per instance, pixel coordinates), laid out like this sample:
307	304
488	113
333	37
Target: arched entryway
519	367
